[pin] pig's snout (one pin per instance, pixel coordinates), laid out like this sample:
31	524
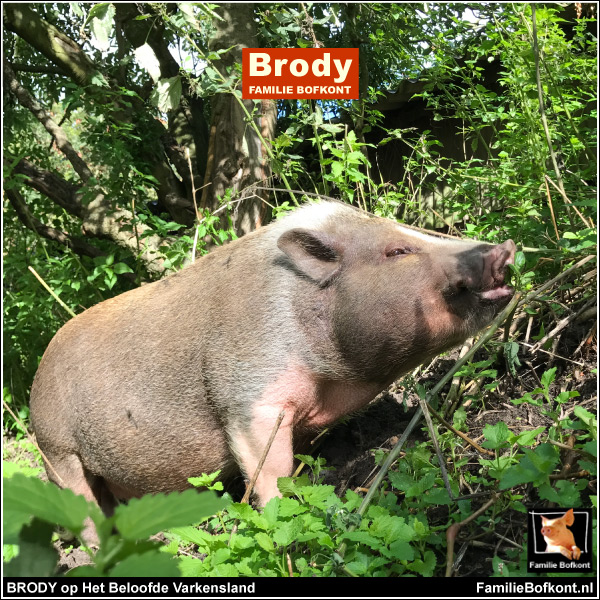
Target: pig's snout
484	273
494	270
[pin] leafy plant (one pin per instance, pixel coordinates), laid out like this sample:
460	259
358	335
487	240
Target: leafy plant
32	508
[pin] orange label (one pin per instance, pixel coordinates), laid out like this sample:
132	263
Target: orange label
319	73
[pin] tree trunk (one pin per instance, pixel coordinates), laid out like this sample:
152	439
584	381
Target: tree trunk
237	158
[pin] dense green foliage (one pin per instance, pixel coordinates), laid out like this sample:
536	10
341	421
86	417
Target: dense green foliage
479	75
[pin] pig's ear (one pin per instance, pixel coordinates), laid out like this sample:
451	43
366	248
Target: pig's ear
312	252
569	517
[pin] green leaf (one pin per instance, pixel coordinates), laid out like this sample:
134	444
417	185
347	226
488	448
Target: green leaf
220	555
401	481
591	447
287	532
121	268
192	567
392	528
225	570
362	537
564	493
149	564
426	566
37	557
241	511
422	485
520	260
102	19
526	438
337	169
148	515
264	541
10	468
587	418
194	535
511	352
534	467
270	512
167	94
401	550
24	496
496	436
438	496
289	486
318	495
548	377
147	60
241	542
290	507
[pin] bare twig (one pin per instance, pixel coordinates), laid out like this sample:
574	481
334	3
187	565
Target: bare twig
562	324
459	433
453	530
250	485
536	54
580	364
579	451
551	208
568	201
33	441
51	291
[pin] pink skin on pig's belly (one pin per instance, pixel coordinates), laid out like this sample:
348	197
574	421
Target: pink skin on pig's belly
308	403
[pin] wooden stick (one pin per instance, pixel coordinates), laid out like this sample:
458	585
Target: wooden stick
51	292
33	441
250	485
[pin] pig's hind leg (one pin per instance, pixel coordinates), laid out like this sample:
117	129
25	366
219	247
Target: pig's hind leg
69	472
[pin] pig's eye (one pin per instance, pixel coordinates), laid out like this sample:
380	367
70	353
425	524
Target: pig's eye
398	251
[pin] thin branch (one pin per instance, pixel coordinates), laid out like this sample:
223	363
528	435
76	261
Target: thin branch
453	530
568	201
52	43
33	441
61	192
261	462
562	324
23	68
78	245
30	103
536	54
51	291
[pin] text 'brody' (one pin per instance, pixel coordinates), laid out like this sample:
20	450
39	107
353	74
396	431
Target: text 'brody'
318	73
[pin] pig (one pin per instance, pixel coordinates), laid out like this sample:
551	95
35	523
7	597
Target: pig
558	537
315	313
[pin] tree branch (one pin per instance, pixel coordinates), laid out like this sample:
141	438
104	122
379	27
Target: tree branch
47	39
23	68
76	244
31	104
61	192
100	218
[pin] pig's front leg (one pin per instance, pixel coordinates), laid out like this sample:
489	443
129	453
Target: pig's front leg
248	447
572	553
